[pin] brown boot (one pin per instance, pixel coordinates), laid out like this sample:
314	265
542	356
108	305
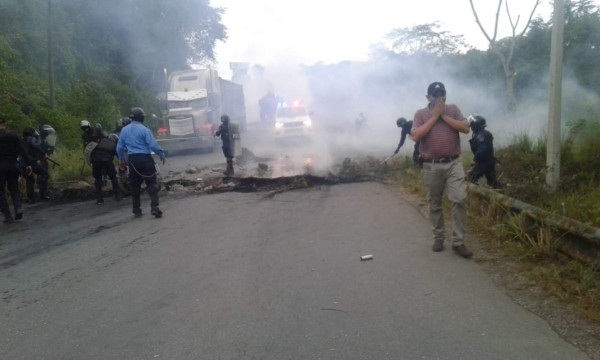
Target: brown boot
463	251
438	245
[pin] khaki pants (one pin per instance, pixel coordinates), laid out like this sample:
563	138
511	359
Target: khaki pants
451	176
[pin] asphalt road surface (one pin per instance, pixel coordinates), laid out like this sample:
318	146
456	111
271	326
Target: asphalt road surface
253	276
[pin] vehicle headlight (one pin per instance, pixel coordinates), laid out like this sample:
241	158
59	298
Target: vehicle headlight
278	125
307	122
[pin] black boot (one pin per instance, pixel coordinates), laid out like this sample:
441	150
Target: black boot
156	212
115	189
229	171
99	196
43	186
18	213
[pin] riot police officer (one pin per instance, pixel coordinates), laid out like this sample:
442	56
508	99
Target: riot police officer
102	163
120	124
139	142
482	146
406	127
11	148
88	133
39	164
48	139
227	139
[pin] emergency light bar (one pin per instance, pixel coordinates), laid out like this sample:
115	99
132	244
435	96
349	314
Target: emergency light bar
294	103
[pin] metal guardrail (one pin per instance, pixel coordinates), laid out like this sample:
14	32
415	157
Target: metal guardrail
580	241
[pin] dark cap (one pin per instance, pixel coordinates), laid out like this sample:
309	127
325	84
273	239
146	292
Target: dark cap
436	89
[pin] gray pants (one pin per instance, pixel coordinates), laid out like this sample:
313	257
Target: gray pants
451	176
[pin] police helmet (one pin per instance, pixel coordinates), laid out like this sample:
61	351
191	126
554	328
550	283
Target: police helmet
113	137
46	130
477	122
401	122
225	119
28	131
137	114
84	124
118	125
126	121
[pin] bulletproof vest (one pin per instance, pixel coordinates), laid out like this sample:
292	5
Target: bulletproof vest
107	144
104	151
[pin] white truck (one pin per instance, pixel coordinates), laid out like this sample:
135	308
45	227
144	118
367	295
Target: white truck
195	101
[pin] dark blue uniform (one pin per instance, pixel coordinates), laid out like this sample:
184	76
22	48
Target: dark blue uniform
482	146
227	139
406	128
11	148
102	163
39	164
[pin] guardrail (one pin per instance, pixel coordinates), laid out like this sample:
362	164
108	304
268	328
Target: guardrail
580	241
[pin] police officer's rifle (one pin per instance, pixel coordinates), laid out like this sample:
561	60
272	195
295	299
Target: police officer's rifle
387	158
53	162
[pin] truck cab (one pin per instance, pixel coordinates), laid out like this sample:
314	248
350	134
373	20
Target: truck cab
195	103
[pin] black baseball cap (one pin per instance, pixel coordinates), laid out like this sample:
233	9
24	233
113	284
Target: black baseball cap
436	89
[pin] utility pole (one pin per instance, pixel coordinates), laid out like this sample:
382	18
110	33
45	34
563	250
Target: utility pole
51	99
555	107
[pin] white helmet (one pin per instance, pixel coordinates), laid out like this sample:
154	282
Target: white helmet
84	124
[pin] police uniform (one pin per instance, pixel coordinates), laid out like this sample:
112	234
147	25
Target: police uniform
11	148
139	143
39	164
482	146
226	138
102	163
406	127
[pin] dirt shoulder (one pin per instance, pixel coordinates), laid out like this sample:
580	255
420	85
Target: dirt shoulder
508	274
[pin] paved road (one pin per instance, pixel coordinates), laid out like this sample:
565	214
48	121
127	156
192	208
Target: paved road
254	276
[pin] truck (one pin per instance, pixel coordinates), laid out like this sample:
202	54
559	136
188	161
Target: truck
195	101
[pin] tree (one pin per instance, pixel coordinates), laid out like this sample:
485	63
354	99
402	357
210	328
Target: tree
109	55
426	38
582	42
505	49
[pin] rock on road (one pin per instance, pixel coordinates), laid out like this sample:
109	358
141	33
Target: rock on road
254	276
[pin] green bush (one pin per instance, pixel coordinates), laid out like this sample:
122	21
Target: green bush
72	166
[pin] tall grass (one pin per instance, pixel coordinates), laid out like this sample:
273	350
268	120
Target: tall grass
523	168
72	166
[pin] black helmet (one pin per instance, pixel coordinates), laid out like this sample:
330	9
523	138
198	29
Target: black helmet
98	131
477	122
137	114
126	121
400	122
224	119
28	131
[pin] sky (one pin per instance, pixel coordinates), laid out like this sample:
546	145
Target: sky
329	31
